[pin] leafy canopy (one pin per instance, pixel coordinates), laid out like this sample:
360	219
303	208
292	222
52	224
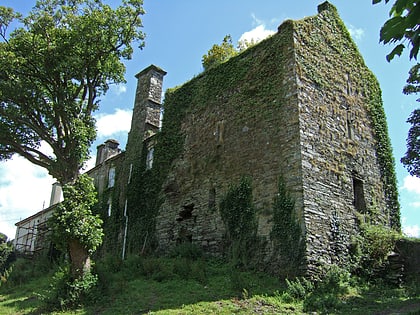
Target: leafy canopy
403	26
53	69
411	159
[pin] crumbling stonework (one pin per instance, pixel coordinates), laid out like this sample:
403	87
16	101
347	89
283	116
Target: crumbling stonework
301	107
298	105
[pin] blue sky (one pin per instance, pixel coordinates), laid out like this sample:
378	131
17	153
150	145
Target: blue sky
178	34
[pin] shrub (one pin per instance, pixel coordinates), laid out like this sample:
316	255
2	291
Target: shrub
65	292
187	250
299	288
370	250
327	292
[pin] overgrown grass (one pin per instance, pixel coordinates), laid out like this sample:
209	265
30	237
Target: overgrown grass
187	283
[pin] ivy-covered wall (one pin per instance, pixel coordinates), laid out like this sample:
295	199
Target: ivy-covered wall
301	105
237	119
299	115
347	163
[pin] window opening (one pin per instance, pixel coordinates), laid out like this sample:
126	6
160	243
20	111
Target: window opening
359	196
186	213
111	177
149	159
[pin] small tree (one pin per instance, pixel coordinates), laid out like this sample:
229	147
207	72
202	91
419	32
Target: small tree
53	69
219	53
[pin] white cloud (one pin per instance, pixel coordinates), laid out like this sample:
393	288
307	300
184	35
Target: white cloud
356	33
24	190
118	89
256	35
411	184
412	230
109	124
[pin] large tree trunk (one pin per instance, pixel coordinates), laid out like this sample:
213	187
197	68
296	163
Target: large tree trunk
79	259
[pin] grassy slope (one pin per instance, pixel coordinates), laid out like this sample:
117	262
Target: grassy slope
179	286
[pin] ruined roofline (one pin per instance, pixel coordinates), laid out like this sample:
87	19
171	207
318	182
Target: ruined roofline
325	6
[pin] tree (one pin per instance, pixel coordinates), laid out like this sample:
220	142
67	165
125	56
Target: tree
219	53
411	159
53	69
403	26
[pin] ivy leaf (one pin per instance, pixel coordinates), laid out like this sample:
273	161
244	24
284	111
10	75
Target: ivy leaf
396	51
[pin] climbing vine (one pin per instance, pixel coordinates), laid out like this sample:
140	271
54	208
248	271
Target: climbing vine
286	232
239	216
342	54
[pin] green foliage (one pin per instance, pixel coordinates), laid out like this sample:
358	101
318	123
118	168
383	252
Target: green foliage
73	218
371	248
186	250
6	257
23	270
129	292
219	53
286	232
239	215
53	69
402	26
299	288
411	159
66	293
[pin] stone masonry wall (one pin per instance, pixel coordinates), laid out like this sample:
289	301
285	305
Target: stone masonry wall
339	158
242	120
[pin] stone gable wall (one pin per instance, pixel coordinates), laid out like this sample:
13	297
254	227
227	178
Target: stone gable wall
248	125
338	142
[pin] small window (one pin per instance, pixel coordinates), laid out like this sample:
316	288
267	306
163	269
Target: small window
349	123
359	196
149	159
111	177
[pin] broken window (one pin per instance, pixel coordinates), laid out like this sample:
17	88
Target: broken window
186	213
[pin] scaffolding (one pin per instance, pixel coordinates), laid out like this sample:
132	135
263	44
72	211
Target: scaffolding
32	240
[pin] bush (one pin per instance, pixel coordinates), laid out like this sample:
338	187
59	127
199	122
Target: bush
299	289
187	250
327	292
370	250
66	292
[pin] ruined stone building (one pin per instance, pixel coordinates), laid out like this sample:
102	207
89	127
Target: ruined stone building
300	107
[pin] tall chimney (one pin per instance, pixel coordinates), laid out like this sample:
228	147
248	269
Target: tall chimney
146	112
107	150
56	194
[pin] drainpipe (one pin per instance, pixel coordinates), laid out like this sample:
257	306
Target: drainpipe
125	230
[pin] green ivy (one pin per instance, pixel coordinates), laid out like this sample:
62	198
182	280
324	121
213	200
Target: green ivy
370	249
344	56
239	215
73	218
286	232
